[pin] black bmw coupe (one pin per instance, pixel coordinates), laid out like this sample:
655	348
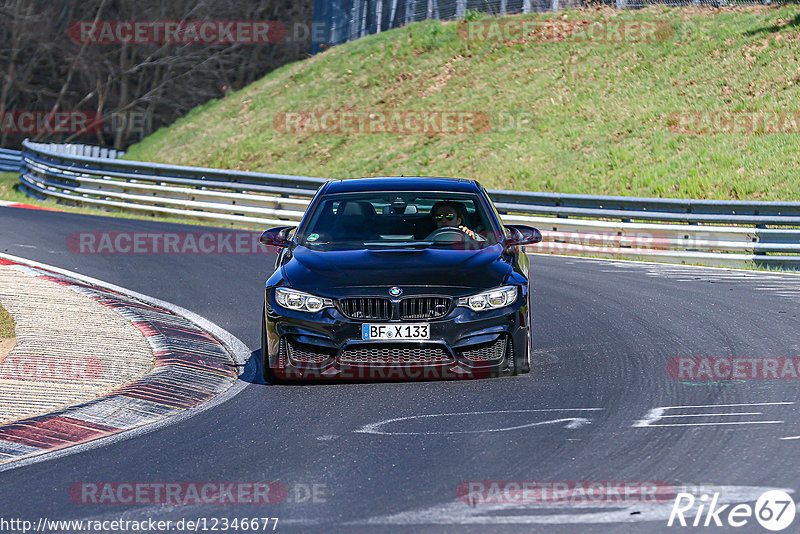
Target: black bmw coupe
398	279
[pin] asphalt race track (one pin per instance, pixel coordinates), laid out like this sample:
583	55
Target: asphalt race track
604	332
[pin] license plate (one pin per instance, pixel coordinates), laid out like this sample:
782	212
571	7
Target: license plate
395	332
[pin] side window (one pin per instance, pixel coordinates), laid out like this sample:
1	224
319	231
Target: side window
496	213
476	219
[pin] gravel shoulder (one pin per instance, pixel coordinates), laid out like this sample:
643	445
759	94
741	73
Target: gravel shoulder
68	349
5	347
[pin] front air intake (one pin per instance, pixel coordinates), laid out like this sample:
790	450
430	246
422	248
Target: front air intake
416	308
366	308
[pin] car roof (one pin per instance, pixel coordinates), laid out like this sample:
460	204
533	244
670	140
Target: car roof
402	183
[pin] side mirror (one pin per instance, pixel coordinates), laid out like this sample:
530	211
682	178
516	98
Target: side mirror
277	237
522	235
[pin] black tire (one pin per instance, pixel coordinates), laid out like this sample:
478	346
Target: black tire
266	369
526	364
523	365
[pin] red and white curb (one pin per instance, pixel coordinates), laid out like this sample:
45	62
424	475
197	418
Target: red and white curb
9	204
195	362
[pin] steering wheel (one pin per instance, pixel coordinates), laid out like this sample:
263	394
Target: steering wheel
448	234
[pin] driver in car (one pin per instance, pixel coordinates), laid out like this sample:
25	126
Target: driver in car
449	215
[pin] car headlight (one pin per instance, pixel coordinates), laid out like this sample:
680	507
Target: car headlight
490	300
291	299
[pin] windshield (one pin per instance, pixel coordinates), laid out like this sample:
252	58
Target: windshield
399	219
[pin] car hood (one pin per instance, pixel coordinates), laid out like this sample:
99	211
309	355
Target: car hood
313	270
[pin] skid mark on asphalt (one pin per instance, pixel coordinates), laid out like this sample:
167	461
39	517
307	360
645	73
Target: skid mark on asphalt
784	285
662	416
573	348
569	422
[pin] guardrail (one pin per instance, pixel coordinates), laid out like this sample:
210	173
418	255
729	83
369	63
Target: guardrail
79	149
672	230
10	160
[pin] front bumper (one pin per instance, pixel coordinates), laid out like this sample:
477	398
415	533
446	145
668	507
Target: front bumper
328	345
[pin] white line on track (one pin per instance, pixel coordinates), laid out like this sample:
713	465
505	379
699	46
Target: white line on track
711	414
657	414
662	267
732	405
721	423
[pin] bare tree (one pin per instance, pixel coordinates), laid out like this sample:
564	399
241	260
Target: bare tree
43	70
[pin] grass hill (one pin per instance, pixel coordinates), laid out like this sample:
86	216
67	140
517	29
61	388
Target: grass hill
586	117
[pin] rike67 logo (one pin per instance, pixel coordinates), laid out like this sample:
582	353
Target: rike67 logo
774	510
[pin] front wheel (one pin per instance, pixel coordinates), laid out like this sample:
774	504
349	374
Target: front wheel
526	365
266	369
523	364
